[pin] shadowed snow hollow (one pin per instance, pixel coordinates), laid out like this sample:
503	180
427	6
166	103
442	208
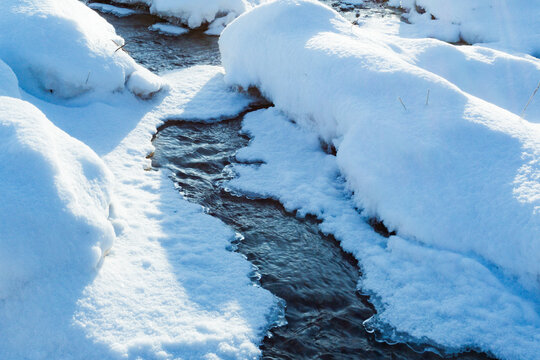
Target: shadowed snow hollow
55	200
65	49
9	86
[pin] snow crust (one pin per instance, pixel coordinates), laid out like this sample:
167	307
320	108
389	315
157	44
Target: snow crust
452	168
81	57
511	25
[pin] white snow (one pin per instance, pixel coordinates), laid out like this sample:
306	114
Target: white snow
47	175
168	29
510	25
195	13
81	57
169	288
451	167
9	85
110	9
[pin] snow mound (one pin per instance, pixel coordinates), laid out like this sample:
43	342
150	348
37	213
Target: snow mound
9	85
56	194
445	169
91	60
195	13
452	297
512	25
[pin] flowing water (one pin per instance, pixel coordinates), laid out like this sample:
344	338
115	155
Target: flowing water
295	260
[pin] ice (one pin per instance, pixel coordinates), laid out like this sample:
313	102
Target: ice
449	166
110	9
168	29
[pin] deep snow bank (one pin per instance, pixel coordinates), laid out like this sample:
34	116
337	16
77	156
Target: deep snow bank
509	24
448	171
431	296
65	49
194	13
56	194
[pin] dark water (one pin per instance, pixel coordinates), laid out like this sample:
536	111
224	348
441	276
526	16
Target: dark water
295	261
159	52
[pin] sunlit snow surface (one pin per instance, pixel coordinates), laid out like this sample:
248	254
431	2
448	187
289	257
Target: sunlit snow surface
446	162
169	287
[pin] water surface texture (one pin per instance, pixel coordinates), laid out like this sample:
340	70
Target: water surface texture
295	261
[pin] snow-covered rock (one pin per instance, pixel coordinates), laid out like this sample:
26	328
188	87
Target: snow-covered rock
56	194
195	13
455	174
65	49
507	24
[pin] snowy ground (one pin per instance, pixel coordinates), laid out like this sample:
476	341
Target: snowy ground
429	139
169	287
100	254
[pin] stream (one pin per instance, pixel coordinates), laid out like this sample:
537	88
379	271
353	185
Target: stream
295	261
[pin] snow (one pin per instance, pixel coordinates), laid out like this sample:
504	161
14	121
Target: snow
82	58
168	29
110	9
47	174
170	287
458	300
450	167
194	13
511	25
9	85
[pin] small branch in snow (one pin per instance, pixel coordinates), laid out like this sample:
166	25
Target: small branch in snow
530	99
402	104
87	78
119	47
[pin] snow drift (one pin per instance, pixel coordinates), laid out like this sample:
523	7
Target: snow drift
512	24
65	49
456	176
56	194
